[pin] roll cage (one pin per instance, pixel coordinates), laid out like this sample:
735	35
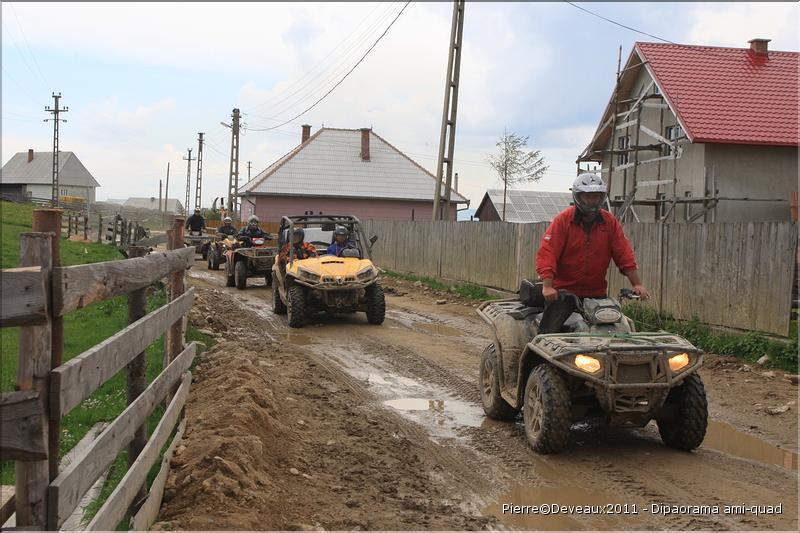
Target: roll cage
327	222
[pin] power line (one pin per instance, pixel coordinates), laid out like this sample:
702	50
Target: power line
619	23
345	76
27	45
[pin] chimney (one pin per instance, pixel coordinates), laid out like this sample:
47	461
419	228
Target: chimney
365	144
759	46
306	133
30	155
456	187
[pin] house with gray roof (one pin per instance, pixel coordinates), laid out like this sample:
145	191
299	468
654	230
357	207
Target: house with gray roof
522	206
344	171
173	206
30	174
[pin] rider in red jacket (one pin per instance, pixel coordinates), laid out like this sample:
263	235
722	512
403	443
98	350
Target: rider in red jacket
576	250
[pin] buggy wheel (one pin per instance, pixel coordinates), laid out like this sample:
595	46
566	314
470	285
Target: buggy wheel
240	274
684	427
278	307
546	410
489	380
296	307
375	304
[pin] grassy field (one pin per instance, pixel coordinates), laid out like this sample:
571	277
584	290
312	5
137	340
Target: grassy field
467	290
83	329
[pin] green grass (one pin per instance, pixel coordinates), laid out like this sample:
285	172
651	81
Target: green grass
748	346
83	329
467	290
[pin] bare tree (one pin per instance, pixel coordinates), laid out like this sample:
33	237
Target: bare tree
515	165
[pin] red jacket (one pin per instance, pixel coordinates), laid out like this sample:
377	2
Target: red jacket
577	261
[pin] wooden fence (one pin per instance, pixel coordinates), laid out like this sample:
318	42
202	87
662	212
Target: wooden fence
737	275
36	297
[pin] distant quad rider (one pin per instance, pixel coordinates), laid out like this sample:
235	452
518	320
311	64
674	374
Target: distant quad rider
341	242
252	229
196	222
302	249
227	227
576	250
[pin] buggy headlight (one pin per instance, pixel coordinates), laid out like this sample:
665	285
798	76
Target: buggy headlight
308	276
587	363
677	362
366	273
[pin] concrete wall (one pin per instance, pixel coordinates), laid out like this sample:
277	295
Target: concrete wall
755	172
45	191
272	208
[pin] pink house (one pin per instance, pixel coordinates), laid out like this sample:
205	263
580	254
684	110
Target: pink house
344	171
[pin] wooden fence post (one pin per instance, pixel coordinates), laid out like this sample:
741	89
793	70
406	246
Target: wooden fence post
33	371
99	228
49	220
114	234
136	370
85	227
176	288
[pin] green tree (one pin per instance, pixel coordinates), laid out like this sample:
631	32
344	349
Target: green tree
514	164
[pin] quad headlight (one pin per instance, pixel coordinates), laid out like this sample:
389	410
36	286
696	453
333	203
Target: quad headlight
587	363
308	276
365	273
678	362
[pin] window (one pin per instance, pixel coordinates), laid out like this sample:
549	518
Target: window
655	89
671	133
623	143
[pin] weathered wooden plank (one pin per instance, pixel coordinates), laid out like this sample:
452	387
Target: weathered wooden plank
21	431
148	512
75	380
7	503
75	287
152	241
24	301
125	493
66	490
33	368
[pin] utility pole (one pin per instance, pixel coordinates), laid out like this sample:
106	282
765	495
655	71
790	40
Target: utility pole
55	112
448	133
166	198
248	170
233	175
159	201
199	182
188	180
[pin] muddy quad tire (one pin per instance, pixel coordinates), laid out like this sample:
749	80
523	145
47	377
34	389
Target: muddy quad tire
546	410
213	259
375	302
230	280
296	308
278	307
685	427
489	382
240	274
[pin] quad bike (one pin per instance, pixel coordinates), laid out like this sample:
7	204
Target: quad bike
328	283
199	241
217	249
248	258
597	365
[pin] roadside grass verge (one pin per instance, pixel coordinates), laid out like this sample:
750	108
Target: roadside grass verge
466	290
747	346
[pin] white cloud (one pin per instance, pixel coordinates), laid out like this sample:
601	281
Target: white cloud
735	24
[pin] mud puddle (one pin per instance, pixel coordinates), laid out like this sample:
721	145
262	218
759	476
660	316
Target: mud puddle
439	329
202	274
426	404
723	437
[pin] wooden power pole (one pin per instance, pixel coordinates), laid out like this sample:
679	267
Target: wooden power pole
188	179
447	137
55	111
166	197
199	183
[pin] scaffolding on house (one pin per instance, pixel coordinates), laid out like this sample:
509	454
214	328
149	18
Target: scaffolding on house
628	112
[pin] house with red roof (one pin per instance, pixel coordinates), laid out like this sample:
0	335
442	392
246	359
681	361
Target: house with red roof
708	126
344	172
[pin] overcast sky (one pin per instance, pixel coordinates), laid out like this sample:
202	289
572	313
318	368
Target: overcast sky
142	79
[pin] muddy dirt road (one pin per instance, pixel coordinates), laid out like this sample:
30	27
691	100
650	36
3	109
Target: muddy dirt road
343	425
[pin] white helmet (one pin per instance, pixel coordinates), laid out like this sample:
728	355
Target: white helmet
252	221
227	220
588	182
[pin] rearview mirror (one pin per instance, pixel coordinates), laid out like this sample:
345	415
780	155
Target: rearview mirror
373	239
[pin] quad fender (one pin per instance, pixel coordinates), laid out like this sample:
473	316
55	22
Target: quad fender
527	362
